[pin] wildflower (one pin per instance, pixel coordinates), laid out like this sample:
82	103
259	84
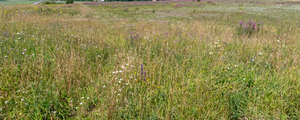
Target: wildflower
80	103
210	53
120	71
144	76
278	41
104	86
142	69
143	73
228	68
88	98
6	102
22	99
54	112
23	53
253	25
5	56
241	23
123	67
260	53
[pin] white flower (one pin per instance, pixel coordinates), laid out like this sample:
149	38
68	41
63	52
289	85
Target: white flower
82	97
88	98
6	102
80	103
23	53
22	99
123	67
210	53
54	112
25	49
120	71
260	53
104	86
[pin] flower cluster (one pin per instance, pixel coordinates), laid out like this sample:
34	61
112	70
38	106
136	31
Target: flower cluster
248	28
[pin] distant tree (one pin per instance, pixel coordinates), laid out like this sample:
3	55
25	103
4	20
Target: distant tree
69	1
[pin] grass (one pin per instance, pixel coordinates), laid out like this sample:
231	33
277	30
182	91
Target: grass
14	2
150	61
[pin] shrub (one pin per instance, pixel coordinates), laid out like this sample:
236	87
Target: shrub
69	1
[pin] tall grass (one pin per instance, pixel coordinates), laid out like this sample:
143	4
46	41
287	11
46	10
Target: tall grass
66	62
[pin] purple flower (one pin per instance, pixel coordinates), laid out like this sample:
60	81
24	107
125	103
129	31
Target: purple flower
241	23
142	69
254	26
144	76
143	73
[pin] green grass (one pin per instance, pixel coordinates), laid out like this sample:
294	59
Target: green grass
14	2
150	61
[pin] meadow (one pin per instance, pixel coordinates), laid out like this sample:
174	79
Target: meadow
153	61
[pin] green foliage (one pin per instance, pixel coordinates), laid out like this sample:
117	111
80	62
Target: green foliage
69	1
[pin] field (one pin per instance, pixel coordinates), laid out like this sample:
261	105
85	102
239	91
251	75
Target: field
14	2
152	61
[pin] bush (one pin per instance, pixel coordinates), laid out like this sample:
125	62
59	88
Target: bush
69	1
